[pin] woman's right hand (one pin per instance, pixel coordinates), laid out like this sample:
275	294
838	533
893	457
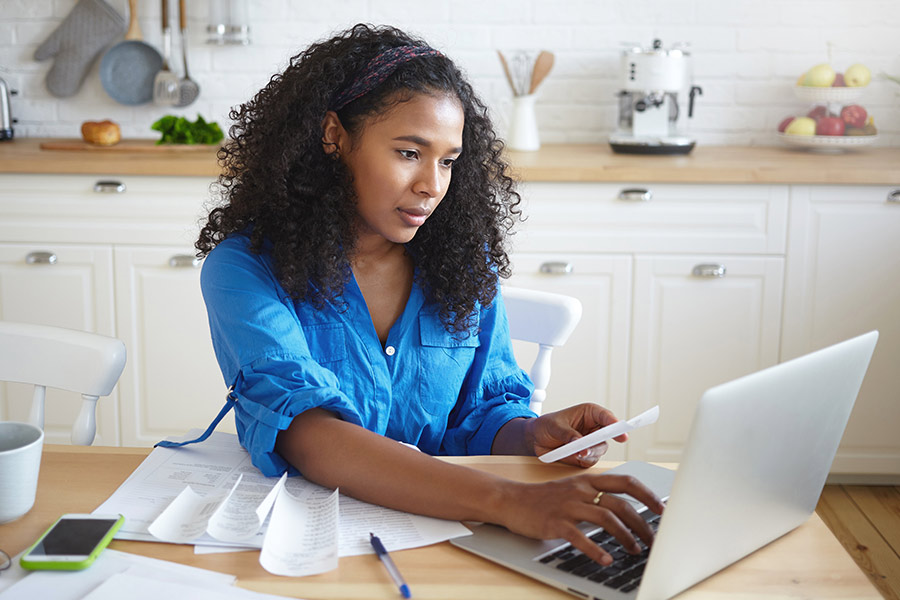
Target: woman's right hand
554	509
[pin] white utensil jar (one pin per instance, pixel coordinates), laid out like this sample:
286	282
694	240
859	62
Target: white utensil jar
523	129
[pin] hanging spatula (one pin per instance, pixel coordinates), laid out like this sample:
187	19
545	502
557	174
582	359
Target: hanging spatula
165	84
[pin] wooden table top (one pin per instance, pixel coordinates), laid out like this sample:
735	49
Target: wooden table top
806	563
553	162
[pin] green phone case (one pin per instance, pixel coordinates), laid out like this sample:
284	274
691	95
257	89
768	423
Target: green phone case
51	565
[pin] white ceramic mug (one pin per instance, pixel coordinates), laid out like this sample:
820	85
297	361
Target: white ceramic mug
20	462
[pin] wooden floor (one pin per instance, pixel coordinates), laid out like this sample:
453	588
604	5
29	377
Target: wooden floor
866	519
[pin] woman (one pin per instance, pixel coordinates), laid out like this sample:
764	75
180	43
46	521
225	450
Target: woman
351	281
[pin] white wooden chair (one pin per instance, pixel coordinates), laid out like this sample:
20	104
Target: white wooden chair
54	357
546	319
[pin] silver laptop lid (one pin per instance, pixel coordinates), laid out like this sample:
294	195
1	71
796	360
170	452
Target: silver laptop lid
757	457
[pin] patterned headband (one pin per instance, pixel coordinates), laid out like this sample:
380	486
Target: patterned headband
380	68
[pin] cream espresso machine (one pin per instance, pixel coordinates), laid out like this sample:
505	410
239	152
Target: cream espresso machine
656	86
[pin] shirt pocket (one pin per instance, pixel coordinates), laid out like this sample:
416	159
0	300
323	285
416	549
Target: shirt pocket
444	363
327	343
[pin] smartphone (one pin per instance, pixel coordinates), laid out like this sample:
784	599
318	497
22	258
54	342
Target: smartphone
72	543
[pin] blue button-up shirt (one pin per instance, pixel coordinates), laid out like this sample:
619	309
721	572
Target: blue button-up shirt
425	386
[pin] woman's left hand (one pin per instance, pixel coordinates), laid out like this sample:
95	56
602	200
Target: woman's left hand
552	430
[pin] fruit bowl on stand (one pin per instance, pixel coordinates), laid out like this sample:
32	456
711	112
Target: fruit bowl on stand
827	95
828	143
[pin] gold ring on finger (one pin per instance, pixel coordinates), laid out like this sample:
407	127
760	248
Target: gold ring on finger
596	499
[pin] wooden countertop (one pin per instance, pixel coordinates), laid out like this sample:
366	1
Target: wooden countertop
26	156
562	162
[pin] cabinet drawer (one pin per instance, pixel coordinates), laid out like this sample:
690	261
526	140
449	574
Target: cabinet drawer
599	217
106	209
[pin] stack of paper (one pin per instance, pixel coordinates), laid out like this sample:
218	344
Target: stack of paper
210	494
117	575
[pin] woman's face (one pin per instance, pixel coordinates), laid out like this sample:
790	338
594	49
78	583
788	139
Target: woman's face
401	163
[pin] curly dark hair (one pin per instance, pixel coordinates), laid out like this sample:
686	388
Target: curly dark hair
281	186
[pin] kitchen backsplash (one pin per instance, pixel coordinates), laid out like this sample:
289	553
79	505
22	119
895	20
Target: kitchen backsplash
747	55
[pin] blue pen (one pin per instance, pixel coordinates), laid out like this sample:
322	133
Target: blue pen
389	565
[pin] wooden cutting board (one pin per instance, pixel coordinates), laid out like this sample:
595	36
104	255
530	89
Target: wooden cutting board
127	146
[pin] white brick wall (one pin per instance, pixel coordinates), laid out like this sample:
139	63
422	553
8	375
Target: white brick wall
747	55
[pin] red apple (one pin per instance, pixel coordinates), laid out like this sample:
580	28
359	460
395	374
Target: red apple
830	126
839	81
818	112
783	125
854	115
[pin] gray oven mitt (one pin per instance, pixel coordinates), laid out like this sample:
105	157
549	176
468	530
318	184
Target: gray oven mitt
75	44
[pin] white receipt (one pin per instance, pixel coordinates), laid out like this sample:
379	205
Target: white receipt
647	417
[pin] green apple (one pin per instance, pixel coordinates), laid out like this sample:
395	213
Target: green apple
801	126
857	75
821	76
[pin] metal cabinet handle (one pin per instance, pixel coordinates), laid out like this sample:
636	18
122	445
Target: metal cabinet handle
40	258
181	261
556	268
109	187
636	195
894	196
710	270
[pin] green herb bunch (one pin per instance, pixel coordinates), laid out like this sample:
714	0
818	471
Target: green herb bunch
178	130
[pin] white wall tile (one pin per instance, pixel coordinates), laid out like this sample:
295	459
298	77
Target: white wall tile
747	54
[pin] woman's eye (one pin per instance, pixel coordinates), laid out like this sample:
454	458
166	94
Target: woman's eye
448	162
408	153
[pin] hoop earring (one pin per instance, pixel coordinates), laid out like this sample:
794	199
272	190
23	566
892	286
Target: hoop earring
331	149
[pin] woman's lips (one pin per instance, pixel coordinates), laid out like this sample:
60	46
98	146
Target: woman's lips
414	217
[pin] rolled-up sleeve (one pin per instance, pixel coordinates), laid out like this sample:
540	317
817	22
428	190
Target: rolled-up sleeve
263	352
496	389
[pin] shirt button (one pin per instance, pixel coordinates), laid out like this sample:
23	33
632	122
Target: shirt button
390	350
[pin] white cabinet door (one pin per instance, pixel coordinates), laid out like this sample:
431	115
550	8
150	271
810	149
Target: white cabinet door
65	286
691	332
843	279
172	382
592	366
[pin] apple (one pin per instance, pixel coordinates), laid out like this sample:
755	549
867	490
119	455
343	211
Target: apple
839	81
857	75
801	126
854	115
820	76
800	79
830	126
783	125
818	112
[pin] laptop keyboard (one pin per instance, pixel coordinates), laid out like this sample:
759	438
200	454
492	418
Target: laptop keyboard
626	570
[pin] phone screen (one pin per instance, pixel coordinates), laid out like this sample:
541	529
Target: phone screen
73	537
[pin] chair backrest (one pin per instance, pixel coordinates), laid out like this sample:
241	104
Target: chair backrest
55	357
546	319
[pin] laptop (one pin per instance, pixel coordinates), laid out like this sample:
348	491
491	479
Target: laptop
756	461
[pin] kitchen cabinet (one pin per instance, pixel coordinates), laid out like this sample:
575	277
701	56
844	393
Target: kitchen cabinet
174	383
805	266
64	285
843	279
124	267
681	287
698	321
593	364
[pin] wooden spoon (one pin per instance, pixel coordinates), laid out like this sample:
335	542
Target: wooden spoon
506	71
542	67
